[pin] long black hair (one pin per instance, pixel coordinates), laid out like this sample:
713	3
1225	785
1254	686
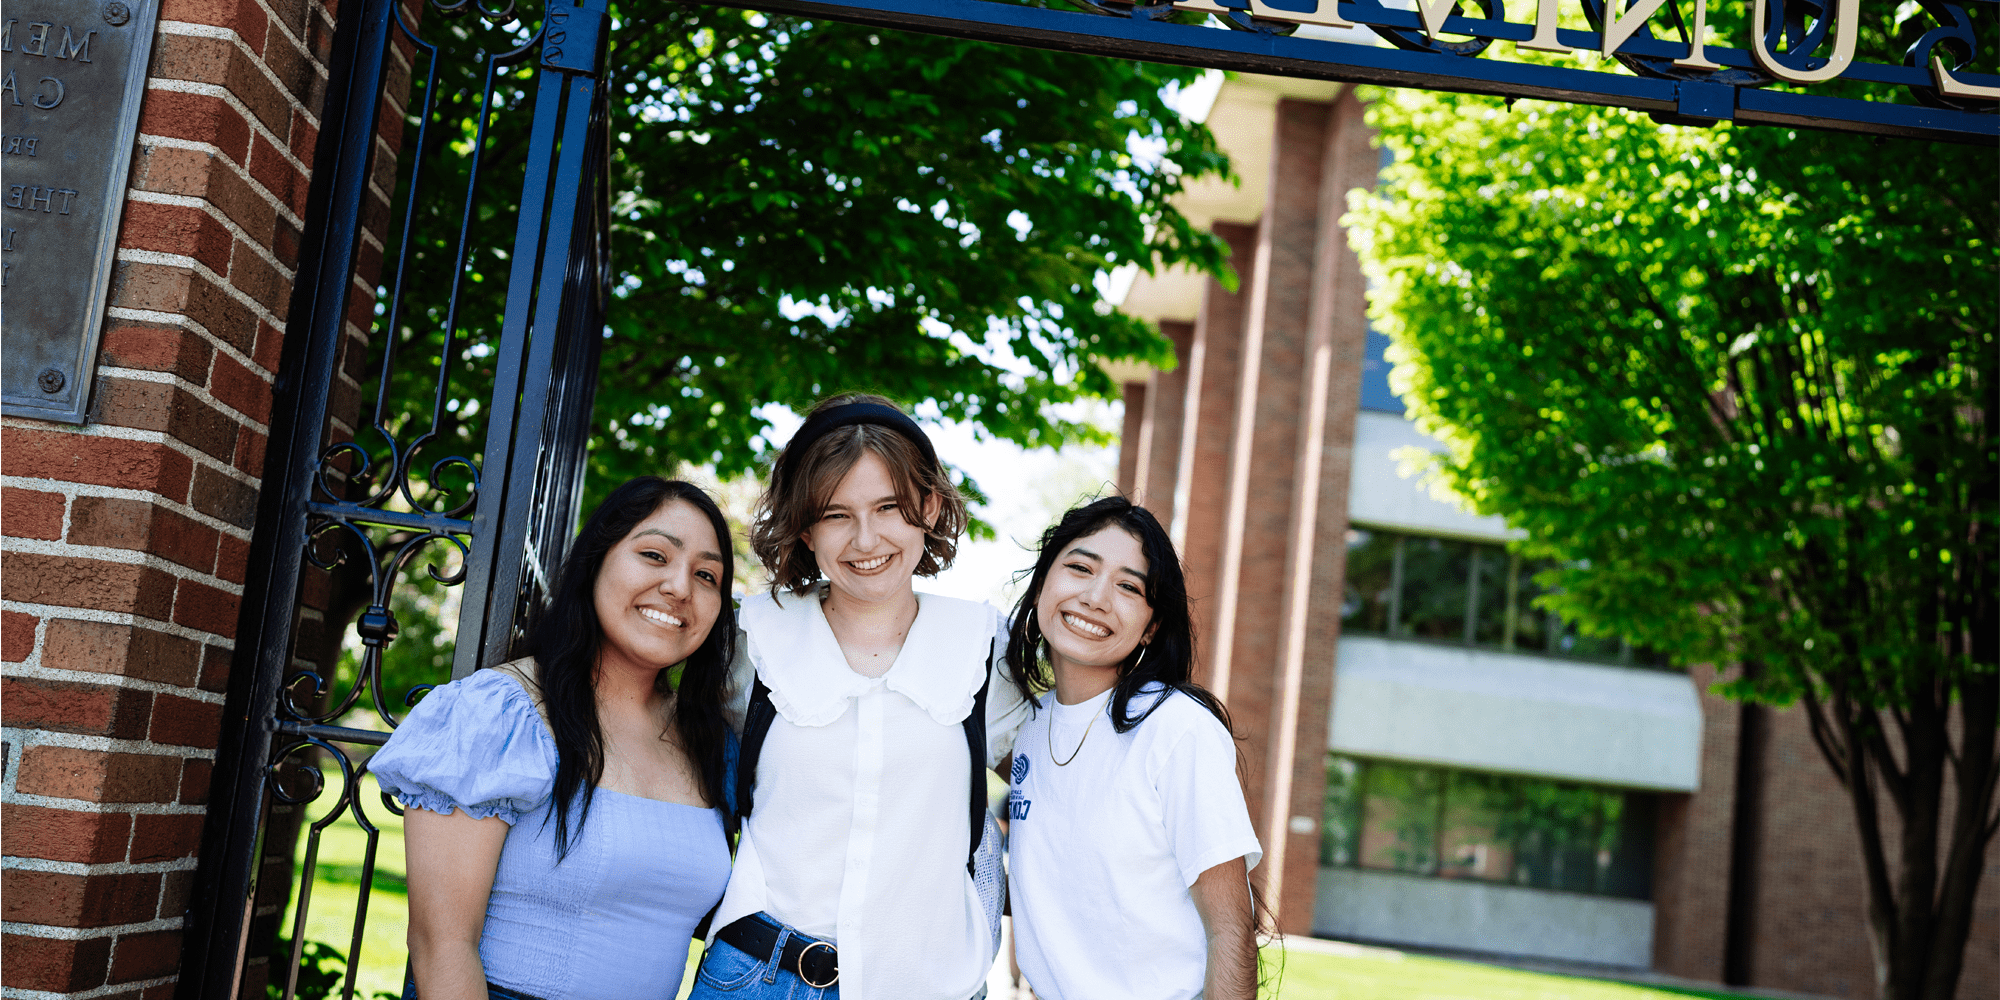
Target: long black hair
1168	658
567	636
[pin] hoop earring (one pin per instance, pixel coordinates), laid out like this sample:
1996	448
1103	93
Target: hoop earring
1142	658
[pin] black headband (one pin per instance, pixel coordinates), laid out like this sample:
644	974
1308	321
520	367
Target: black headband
826	422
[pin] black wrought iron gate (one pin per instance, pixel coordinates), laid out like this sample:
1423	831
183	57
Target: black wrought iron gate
491	517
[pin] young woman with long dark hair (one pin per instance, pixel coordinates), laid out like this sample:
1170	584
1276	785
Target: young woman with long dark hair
1129	842
852	875
562	827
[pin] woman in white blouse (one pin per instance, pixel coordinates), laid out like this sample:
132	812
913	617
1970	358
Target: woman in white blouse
852	873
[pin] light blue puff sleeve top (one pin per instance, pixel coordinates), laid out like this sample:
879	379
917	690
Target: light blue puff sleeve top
612	919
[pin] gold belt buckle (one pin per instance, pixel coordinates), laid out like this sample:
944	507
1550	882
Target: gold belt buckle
802	965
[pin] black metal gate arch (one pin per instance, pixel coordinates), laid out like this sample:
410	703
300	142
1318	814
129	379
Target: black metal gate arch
324	492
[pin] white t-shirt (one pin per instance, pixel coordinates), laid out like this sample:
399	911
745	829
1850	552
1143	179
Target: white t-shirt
858	832
1103	850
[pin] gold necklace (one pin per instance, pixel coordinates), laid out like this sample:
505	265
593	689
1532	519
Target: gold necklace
1079	743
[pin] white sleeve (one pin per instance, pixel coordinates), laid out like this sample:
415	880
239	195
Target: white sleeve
1202	802
1006	710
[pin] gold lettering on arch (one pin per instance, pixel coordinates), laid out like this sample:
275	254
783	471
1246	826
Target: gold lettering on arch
1545	30
1846	28
1950	86
1619	30
1326	14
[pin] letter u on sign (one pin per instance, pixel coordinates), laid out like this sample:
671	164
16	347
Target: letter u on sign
1846	26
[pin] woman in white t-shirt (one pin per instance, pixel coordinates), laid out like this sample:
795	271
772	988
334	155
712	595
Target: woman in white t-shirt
852	874
1129	842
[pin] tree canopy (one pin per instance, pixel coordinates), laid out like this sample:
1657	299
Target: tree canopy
804	207
798	208
1740	383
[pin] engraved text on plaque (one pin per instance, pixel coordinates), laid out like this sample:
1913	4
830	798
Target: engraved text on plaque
74	74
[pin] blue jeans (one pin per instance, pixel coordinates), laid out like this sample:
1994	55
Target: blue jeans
726	972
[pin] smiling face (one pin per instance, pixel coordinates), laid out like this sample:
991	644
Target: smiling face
862	542
1093	611
659	590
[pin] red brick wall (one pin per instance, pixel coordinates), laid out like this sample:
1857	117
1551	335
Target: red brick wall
127	537
1691	856
1802	897
1808	928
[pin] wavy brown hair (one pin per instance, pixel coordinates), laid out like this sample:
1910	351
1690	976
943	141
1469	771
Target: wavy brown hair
802	488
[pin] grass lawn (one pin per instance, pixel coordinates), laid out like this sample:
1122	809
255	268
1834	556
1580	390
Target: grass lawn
337	888
1312	970
1381	974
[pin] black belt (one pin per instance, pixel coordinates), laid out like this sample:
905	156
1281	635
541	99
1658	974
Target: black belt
814	962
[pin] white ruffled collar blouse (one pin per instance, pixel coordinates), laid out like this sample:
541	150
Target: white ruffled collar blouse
859	832
792	646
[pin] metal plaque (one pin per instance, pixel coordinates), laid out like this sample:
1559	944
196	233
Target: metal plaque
75	72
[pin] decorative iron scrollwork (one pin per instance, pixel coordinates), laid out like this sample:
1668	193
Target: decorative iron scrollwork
1422	41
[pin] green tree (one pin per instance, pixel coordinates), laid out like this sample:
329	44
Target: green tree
1740	384
798	208
802	207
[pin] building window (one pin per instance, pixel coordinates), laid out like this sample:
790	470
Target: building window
1447	823
1375	391
1444	590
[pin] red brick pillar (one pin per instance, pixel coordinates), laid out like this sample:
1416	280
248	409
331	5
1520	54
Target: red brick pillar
1132	438
1329	387
1160	430
1202	458
1273	383
1263	455
1692	852
127	536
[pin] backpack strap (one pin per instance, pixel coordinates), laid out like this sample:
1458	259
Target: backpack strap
757	720
756	725
975	744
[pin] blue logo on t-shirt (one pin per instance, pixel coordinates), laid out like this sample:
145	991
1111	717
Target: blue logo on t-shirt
1020	767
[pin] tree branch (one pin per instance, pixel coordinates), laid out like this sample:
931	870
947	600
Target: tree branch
1823	736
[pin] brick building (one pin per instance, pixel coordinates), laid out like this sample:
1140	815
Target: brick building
127	537
1433	762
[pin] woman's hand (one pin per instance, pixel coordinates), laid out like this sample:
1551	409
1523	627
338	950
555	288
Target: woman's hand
1222	897
451	862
